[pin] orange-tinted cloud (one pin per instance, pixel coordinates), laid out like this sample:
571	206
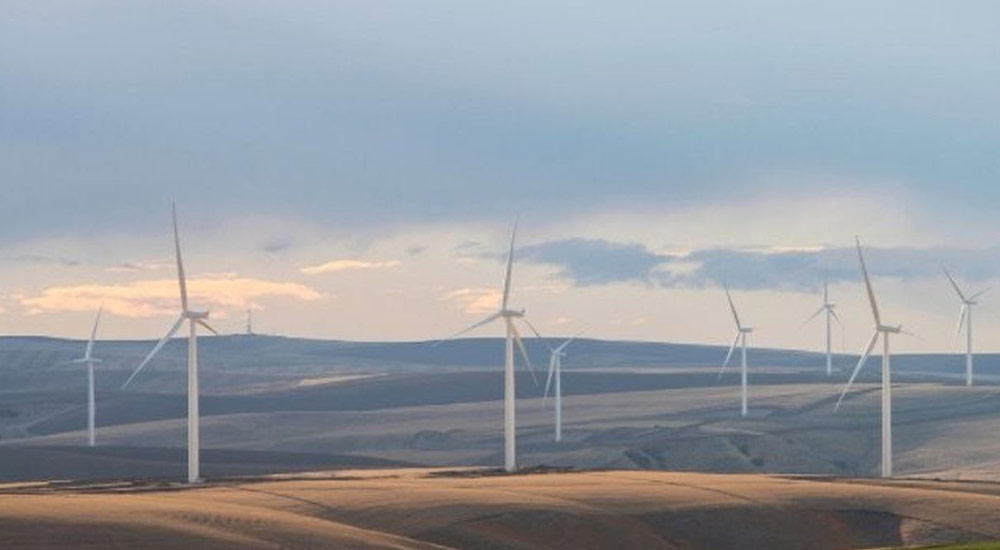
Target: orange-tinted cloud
347	265
161	296
476	300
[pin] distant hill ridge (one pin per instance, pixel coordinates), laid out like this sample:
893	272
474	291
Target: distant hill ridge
251	352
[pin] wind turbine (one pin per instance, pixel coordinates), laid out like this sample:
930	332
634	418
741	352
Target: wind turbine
555	371
965	316
830	315
89	360
194	318
512	337
741	339
885	331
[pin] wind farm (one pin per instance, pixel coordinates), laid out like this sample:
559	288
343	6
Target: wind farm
425	418
278	276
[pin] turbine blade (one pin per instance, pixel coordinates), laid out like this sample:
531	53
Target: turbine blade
961	295
203	323
532	327
837	318
548	381
732	307
163	341
813	316
857	369
93	334
565	344
868	284
826	292
524	352
181	278
729	355
978	295
961	321
485	321
510	266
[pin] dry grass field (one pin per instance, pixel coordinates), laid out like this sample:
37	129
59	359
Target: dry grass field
463	509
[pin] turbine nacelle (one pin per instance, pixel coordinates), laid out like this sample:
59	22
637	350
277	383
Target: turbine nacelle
886	329
512	313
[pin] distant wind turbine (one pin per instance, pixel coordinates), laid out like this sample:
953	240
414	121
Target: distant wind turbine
741	339
89	360
965	316
885	331
194	318
555	372
249	322
830	315
512	337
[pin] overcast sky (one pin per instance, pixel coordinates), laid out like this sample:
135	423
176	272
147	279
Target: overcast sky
351	169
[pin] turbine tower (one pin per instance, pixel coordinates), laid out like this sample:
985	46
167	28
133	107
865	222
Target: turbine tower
513	337
194	318
883	330
555	371
965	317
741	339
831	315
89	360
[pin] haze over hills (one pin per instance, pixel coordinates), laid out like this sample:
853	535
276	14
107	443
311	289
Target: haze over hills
26	360
280	404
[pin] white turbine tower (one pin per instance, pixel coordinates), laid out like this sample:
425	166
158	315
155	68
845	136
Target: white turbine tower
741	339
194	318
89	360
512	337
555	372
831	315
965	317
885	331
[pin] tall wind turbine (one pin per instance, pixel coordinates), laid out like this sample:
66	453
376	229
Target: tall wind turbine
881	329
512	337
194	318
965	316
555	372
89	360
741	339
830	315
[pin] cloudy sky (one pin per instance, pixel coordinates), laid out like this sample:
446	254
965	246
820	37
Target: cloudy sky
351	169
